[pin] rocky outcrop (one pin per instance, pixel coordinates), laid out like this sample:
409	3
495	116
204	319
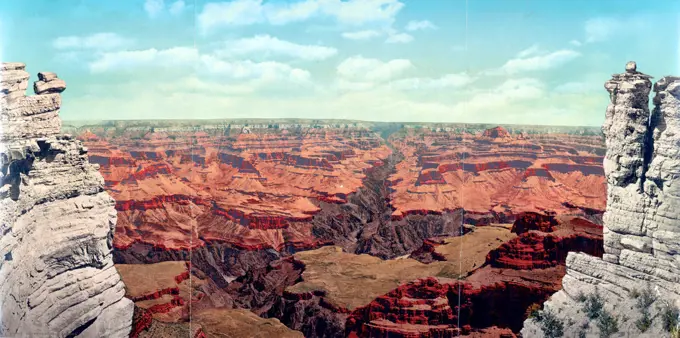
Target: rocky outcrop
442	307
497	132
641	227
57	276
533	221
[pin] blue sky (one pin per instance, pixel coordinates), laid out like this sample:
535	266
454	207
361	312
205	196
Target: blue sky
486	61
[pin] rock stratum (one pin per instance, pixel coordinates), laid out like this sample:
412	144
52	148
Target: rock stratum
496	177
638	277
287	223
57	277
226	191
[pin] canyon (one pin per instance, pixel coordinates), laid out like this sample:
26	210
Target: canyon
346	229
314	229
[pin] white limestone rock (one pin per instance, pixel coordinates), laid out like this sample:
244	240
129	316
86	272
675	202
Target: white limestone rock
57	277
642	220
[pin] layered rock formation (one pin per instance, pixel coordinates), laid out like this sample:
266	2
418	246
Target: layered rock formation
57	277
247	199
641	226
497	276
237	203
497	177
236	196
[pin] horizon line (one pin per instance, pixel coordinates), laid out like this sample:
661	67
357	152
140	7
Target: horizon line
310	119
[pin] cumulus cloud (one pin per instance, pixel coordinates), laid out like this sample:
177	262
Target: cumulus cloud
533	50
177	7
199	85
268	45
154	8
399	38
360	12
217	15
510	91
446	81
415	25
533	62
281	14
97	41
121	60
202	65
246	69
235	13
393	36
361	69
362	35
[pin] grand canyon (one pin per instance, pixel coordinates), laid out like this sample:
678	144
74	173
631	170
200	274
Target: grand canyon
339	169
348	228
329	228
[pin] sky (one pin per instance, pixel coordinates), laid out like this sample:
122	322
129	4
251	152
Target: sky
476	61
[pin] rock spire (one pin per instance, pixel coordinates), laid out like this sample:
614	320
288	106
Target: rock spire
642	220
57	277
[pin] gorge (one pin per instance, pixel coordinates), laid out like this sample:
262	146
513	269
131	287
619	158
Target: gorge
330	228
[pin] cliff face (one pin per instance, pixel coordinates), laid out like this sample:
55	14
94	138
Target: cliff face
56	271
641	227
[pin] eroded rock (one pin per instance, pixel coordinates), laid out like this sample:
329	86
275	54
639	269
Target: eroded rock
641	226
57	277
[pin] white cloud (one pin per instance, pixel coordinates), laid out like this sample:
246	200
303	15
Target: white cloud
419	25
393	36
97	41
360	12
600	29
399	38
361	35
446	81
177	7
205	66
121	60
575	43
235	13
535	63
266	71
510	91
198	85
247	12
358	68
280	14
346	85
533	50
154	7
265	45
382	86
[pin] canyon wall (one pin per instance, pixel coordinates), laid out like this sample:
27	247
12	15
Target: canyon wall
57	276
641	227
